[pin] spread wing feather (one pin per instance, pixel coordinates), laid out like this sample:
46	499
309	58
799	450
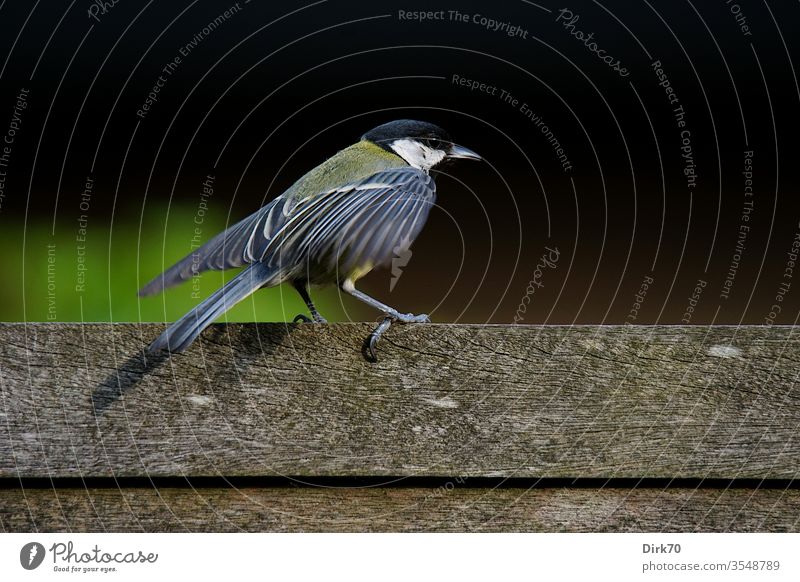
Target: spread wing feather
368	221
362	223
231	248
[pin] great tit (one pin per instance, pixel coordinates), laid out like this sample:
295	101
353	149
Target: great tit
352	213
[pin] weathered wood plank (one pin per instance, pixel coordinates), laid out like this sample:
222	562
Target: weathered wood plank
277	399
399	509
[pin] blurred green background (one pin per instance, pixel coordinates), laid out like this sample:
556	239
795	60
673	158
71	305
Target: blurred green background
118	259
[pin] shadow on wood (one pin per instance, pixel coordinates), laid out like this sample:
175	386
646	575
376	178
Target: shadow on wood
137	366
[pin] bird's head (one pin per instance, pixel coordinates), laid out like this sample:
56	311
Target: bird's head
422	145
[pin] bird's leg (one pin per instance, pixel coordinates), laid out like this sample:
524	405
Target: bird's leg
392	315
349	288
302	288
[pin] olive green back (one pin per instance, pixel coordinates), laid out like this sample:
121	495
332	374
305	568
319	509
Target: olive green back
356	162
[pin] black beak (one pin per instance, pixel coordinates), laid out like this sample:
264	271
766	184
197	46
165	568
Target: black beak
462	153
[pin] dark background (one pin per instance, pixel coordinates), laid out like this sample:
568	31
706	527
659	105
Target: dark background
278	87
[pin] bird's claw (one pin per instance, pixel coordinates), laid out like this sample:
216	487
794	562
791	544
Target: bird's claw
372	340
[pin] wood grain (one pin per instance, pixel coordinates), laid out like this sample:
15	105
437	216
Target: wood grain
444	400
253	509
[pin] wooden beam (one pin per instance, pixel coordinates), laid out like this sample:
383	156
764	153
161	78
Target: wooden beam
444	400
286	509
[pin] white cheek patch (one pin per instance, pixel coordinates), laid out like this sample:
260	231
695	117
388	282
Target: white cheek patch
417	154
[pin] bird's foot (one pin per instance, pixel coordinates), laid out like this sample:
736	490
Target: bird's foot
411	318
372	340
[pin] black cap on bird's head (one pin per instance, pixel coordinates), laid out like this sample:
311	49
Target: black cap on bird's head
421	144
408	129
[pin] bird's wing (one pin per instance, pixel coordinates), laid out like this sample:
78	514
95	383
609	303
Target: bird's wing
366	222
370	219
231	248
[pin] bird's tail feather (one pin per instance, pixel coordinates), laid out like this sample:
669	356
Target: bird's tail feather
179	335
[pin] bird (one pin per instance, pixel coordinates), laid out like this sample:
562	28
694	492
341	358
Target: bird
351	214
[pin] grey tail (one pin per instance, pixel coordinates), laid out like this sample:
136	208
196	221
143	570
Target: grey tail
179	335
